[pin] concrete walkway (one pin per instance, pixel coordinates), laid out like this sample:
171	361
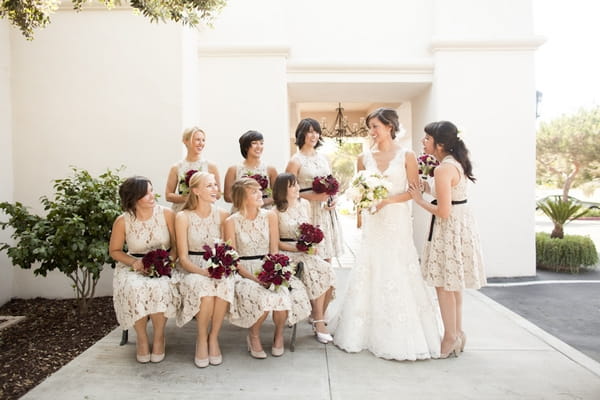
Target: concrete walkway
506	357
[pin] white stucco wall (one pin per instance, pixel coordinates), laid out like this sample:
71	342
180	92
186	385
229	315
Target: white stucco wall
6	159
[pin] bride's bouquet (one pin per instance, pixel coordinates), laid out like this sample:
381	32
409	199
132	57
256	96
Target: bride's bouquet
276	271
427	164
367	189
222	259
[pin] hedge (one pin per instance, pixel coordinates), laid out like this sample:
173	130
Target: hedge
568	254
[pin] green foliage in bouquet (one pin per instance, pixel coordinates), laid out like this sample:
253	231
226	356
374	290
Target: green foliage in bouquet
569	254
561	212
73	236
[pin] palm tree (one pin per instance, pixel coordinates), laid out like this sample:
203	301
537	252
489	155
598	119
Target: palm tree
560	212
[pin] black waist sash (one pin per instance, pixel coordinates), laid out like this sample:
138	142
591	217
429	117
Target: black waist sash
305	189
454	202
196	253
143	254
252	257
287	240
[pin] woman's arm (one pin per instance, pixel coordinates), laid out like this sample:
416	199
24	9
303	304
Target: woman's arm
443	176
229	180
172	181
273	232
115	246
170	218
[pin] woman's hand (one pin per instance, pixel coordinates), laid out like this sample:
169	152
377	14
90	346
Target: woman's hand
330	203
415	192
137	265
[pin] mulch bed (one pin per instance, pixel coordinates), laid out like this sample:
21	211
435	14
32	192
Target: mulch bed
51	335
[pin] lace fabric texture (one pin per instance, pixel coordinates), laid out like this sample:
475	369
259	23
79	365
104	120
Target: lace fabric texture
134	295
318	274
184	166
251	300
193	287
452	259
388	309
310	167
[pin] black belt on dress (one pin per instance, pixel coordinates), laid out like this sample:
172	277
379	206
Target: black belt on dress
286	240
196	253
454	202
252	257
142	254
305	189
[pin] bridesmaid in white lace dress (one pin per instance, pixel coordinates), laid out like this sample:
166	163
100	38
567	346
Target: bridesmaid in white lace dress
388	309
252	145
452	255
144	226
318	275
199	224
307	164
194	140
253	232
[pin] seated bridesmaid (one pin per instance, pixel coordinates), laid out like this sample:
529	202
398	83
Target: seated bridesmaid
253	232
201	223
318	276
144	226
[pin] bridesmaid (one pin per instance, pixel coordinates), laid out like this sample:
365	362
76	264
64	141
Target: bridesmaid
253	232
201	223
452	255
307	164
144	226
318	276
194	140
251	146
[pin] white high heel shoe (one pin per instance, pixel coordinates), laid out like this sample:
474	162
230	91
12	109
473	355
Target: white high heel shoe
321	337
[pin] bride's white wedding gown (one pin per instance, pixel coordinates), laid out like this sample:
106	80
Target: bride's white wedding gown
387	308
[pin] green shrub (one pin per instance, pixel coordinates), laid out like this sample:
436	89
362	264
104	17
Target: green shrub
568	254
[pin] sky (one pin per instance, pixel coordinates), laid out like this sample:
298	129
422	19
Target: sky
568	64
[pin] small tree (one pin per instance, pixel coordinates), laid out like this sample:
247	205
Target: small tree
561	212
568	149
29	15
73	236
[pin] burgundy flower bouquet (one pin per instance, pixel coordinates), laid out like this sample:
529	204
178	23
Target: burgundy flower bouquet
308	237
326	184
262	180
184	182
157	263
222	260
276	271
427	164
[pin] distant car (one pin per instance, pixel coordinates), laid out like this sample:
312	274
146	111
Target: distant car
556	197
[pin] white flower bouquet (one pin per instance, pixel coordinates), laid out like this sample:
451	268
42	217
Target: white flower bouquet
367	189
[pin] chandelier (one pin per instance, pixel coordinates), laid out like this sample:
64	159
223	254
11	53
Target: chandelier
341	129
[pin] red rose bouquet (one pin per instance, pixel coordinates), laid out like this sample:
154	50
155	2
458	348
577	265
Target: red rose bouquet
157	263
276	271
262	180
308	237
184	182
326	184
427	164
222	260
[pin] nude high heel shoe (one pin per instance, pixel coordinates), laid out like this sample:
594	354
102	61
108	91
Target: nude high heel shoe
255	354
463	341
455	350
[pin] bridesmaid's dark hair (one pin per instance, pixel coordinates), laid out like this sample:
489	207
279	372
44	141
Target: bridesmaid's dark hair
280	188
246	141
388	117
303	127
446	134
131	190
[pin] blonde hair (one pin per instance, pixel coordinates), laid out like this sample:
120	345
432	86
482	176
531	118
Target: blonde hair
238	191
188	133
192	200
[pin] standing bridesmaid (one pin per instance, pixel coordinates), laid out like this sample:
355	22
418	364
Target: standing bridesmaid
307	164
176	190
452	254
199	224
252	145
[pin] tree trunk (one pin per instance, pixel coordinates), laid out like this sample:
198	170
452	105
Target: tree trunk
557	232
569	182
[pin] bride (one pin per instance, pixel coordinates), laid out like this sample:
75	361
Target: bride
388	309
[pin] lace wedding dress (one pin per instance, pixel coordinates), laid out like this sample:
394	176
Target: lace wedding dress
387	307
318	274
252	300
192	287
134	295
